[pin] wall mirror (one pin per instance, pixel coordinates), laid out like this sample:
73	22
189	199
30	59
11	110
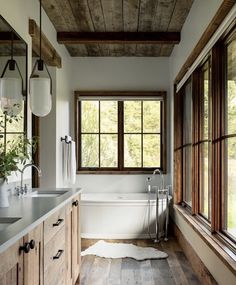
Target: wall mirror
13	49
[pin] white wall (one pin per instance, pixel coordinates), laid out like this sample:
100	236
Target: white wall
200	15
17	15
47	133
198	19
115	74
123	74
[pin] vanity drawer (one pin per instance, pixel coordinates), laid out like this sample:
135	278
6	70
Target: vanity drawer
53	224
54	259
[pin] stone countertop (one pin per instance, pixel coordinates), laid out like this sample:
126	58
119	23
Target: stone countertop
32	211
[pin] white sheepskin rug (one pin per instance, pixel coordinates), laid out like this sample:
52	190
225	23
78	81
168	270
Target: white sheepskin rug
123	250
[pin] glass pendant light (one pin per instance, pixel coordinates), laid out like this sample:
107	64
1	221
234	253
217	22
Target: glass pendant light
40	87
11	87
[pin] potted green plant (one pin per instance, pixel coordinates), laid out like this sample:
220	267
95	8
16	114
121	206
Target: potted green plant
13	155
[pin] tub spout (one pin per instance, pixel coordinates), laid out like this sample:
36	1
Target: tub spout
158	171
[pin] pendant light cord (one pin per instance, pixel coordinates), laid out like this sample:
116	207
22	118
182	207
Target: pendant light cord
40	29
12	45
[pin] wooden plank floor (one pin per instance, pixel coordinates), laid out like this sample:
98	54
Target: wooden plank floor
175	270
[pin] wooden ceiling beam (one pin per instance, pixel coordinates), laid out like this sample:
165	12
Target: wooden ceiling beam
6	38
49	53
118	37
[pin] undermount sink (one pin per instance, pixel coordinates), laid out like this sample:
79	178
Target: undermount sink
6	221
40	193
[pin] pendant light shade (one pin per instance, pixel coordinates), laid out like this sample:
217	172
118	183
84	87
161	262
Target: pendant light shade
40	88
11	87
40	96
11	95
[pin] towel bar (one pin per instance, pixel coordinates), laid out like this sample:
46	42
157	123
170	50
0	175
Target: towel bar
65	139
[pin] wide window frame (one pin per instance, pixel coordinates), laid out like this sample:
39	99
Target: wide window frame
120	96
215	226
224	137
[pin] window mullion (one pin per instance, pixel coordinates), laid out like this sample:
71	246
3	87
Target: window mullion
99	134
120	135
142	134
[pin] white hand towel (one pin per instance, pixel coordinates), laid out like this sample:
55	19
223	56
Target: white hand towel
72	163
65	150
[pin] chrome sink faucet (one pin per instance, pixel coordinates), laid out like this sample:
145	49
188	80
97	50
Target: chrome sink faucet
22	189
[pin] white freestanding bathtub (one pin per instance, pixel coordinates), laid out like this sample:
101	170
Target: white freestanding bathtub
120	215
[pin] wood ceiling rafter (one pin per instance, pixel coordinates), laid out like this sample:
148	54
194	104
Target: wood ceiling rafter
49	54
6	38
118	37
118	16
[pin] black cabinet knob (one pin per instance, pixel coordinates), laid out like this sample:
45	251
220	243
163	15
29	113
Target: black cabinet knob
25	248
32	244
75	203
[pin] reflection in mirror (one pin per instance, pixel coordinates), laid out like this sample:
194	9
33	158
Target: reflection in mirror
12	47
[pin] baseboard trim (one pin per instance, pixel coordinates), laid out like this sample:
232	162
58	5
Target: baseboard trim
119	236
115	236
200	269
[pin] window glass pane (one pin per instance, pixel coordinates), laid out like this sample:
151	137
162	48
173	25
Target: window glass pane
90	118
187	140
231	88
12	139
151	116
16	124
230	144
205	185
108	116
204	182
187	168
1	143
132	150
206	102
108	150
89	151
187	128
2	121
132	116
230	195
151	151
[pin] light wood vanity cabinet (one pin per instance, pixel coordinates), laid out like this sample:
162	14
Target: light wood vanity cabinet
11	265
21	264
47	255
73	241
33	261
54	249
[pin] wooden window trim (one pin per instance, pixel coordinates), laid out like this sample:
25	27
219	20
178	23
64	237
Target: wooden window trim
116	94
215	230
200	139
228	38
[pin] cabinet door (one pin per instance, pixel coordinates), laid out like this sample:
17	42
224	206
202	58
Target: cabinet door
11	265
76	242
33	260
68	236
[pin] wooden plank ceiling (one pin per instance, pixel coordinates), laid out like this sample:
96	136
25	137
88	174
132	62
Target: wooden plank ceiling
118	16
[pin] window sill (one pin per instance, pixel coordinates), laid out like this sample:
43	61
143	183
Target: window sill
114	172
220	248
